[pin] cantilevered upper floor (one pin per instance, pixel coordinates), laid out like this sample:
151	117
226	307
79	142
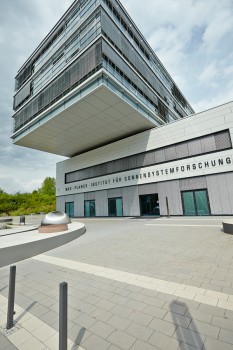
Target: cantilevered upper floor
93	80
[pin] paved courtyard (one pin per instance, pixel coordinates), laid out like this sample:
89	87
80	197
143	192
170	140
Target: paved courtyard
133	284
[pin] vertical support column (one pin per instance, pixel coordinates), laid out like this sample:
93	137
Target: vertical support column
11	297
63	316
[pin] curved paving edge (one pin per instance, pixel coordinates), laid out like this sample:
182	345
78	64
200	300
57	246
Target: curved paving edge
15	253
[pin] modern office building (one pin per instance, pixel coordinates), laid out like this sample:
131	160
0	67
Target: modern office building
94	91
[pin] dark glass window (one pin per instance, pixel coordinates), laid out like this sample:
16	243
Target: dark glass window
69	209
89	208
195	203
149	205
115	207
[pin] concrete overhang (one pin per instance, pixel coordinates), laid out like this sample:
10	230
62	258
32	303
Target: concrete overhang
97	119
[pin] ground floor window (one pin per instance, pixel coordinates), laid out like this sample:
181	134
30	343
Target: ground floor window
115	207
149	204
69	209
195	202
89	208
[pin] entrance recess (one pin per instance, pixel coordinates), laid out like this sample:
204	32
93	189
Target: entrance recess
89	208
69	209
149	205
195	203
115	207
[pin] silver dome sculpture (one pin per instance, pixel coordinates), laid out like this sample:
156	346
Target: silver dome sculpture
53	222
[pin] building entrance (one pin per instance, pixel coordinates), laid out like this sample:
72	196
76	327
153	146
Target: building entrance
195	203
89	208
149	205
115	207
69	209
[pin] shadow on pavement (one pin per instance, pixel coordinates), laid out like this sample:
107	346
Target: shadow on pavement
188	336
25	311
79	338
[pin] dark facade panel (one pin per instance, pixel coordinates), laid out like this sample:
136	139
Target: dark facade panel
67	80
193	183
222	140
202	145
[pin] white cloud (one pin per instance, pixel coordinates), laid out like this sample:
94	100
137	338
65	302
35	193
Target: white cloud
193	39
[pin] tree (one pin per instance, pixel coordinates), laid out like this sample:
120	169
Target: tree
2	191
48	186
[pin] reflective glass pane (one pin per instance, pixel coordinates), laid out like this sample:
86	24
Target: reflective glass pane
119	209
69	209
112	207
188	203
202	203
149	205
87	209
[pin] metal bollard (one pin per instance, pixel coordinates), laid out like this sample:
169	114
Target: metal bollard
63	316
11	298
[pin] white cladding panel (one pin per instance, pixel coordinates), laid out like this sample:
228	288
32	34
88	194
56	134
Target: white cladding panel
213	120
220	191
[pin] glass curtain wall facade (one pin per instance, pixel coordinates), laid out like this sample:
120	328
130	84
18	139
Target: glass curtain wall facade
95	36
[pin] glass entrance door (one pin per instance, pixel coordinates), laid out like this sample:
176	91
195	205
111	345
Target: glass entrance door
115	207
89	208
149	205
195	203
69	209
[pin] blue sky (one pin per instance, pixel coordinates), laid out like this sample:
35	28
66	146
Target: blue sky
192	38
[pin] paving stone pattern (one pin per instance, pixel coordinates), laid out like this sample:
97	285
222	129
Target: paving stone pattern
108	314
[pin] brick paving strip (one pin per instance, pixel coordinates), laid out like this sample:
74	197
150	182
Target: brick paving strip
204	296
30	332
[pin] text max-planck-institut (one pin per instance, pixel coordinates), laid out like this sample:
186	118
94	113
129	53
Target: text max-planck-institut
95	92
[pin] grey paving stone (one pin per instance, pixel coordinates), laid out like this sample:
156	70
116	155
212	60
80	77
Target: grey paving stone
139	331
114	347
103	294
93	342
121	339
164	342
155	311
101	315
140	317
140	345
92	299
204	328
119	322
177	319
213	344
85	321
222	322
105	304
136	305
5	344
161	326
190	337
226	336
122	311
189	303
118	299
199	315
102	329
229	314
212	310
155	301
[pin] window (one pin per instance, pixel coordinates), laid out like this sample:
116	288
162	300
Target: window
115	207
89	208
195	203
149	205
69	209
